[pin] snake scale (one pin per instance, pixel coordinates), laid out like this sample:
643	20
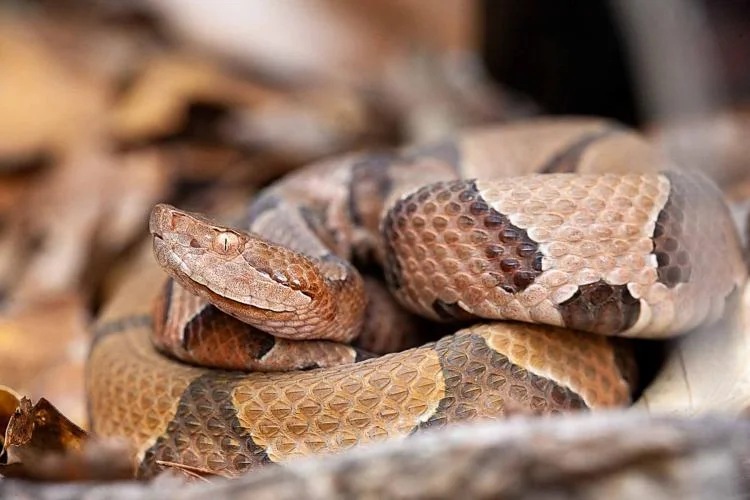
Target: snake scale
557	227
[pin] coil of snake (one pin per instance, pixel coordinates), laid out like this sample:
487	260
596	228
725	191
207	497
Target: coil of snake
589	229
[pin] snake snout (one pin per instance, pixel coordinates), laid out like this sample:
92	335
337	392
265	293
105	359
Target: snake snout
160	219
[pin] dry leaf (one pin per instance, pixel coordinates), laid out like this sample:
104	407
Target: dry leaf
41	443
9	401
39	428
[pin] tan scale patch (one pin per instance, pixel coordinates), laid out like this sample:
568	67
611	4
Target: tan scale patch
581	362
589	228
702	228
133	391
482	383
136	390
301	413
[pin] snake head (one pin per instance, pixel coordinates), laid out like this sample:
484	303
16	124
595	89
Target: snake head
227	267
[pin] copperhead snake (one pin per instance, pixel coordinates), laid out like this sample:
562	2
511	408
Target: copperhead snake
589	229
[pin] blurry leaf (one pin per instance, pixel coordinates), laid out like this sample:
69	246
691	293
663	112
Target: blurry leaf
91	206
156	105
297	125
332	41
706	371
39	97
420	60
308	124
718	144
43	348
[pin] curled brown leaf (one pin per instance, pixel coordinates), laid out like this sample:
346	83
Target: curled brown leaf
41	443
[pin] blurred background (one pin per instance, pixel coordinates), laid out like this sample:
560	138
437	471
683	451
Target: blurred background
107	107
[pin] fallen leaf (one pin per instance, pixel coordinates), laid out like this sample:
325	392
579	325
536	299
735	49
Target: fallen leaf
42	444
9	401
39	428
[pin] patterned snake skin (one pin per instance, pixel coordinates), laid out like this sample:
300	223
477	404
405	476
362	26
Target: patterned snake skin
611	240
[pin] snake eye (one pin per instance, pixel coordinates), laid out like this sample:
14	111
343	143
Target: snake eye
226	243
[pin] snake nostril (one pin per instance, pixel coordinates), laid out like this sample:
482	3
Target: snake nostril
194	243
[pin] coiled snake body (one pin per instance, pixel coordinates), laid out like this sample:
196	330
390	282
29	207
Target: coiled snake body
589	230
